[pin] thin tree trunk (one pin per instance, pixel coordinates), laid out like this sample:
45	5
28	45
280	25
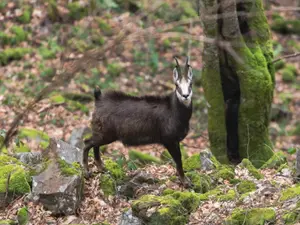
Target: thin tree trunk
238	79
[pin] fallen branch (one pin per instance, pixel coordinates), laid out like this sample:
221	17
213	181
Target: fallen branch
286	57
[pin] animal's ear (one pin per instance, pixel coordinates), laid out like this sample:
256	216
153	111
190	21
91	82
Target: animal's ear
175	75
190	73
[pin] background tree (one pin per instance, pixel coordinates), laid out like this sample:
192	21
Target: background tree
238	79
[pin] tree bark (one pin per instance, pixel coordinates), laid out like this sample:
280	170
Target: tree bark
238	79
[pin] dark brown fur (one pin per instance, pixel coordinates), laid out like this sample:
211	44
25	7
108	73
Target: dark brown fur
138	121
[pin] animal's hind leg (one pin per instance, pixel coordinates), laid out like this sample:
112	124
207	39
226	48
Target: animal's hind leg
99	163
88	144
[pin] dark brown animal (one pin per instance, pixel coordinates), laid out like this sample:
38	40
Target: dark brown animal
143	120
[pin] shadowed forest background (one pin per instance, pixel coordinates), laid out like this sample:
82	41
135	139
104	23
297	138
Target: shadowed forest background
54	53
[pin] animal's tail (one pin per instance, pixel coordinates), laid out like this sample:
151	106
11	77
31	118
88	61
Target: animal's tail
97	93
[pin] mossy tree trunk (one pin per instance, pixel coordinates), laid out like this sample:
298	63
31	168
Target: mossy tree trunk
238	79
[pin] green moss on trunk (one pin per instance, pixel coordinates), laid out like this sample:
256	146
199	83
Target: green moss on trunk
255	72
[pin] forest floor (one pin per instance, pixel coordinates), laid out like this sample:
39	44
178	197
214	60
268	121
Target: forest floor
142	65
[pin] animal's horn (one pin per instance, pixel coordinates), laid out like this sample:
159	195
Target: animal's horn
177	66
187	65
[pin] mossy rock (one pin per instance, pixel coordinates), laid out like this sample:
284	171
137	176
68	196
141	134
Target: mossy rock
11	54
224	172
69	169
291	217
19	177
8	222
229	196
290	193
287	75
246	186
108	184
255	216
279	65
192	163
202	182
23	216
190	201
252	170
275	161
212	194
154	210
142	158
114	176
114	169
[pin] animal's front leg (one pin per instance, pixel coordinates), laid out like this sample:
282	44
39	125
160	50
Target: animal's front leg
174	150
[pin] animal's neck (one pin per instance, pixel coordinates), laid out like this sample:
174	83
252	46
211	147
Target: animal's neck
181	110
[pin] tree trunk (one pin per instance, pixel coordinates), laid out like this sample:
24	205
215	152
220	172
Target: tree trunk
238	79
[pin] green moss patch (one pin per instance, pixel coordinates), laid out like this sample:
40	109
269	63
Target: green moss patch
251	216
192	163
173	208
288	75
252	170
275	161
291	217
114	169
224	172
202	182
69	169
18	182
142	158
246	186
114	176
23	216
8	222
11	54
290	193
107	184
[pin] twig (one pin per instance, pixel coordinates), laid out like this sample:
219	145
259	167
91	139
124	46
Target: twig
7	188
286	57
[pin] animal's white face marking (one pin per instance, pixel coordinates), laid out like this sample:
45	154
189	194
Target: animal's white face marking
184	86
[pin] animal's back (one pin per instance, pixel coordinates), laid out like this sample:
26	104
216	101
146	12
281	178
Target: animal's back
132	118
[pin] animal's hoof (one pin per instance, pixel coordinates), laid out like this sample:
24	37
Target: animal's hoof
101	168
87	174
187	183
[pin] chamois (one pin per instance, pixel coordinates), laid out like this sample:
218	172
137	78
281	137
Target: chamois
143	120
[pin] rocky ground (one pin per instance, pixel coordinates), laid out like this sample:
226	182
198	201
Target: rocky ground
38	38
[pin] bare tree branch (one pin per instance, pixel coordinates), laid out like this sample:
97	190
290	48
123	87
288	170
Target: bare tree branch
296	54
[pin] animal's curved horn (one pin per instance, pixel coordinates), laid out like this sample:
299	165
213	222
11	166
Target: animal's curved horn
187	65
177	66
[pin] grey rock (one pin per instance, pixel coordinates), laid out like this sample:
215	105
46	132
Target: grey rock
128	219
59	194
138	181
206	162
65	151
30	158
76	138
